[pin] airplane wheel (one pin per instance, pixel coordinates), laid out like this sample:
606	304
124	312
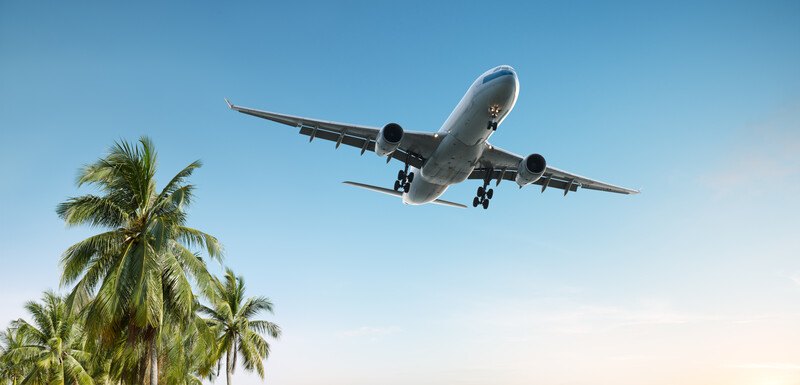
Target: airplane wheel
489	193
481	191
494	126
485	204
406	187
475	202
401	175
489	126
396	185
410	177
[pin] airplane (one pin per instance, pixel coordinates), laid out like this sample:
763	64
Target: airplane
458	151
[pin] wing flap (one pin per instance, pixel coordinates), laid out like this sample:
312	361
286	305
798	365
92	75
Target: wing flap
292	120
511	175
588	183
366	144
417	145
497	160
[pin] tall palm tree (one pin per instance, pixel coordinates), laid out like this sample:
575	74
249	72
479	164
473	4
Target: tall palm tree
127	277
54	345
12	370
231	316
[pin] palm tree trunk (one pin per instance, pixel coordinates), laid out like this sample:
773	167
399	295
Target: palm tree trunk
153	361
229	364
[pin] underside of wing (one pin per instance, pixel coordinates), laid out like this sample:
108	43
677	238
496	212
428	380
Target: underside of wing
498	164
414	148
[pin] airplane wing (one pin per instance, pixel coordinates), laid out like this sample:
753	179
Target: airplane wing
415	147
498	164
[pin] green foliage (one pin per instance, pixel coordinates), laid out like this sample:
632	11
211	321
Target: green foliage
12	369
231	316
142	265
132	277
186	351
52	348
133	308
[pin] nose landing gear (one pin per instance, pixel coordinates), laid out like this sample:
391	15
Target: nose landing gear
494	112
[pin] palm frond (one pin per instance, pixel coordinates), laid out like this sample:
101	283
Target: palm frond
177	289
76	259
179	179
249	347
93	211
193	237
255	305
265	327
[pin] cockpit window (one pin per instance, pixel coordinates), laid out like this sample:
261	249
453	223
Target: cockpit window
496	74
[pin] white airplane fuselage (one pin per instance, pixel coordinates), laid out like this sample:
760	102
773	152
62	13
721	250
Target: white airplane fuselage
465	135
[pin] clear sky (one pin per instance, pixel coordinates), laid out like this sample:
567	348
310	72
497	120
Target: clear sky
695	281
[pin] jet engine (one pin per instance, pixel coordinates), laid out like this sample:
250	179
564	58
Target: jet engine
530	169
388	139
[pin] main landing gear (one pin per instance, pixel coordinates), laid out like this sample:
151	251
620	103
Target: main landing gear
494	112
484	195
404	179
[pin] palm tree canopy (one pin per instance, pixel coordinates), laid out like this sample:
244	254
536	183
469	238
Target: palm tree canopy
231	314
54	344
141	264
12	369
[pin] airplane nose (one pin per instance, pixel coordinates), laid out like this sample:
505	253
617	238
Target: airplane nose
505	90
508	83
502	83
511	79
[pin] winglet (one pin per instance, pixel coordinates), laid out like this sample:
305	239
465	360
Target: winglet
230	105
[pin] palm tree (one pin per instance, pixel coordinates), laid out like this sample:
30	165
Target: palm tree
12	371
130	276
54	345
231	316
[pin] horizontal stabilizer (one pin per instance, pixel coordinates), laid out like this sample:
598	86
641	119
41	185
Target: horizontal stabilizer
399	194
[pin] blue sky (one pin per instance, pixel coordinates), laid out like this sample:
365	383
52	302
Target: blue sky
695	281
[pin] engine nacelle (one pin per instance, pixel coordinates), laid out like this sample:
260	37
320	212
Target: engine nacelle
530	169
388	139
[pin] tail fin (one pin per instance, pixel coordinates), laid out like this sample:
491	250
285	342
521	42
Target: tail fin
398	194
